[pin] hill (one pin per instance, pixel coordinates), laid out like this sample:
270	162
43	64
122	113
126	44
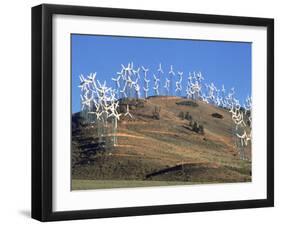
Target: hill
164	149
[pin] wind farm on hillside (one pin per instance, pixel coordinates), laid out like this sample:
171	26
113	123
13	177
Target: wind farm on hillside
154	127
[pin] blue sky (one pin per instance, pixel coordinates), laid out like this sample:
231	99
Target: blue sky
227	63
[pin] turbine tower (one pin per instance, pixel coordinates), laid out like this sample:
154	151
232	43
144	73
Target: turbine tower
128	112
178	83
146	82
171	74
156	85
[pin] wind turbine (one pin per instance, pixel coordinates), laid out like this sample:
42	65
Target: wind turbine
200	76
194	87
117	83
83	83
137	72
178	83
116	80
238	119
128	70
156	85
124	90
167	86
171	74
137	89
160	73
222	98
146	81
145	70
128	112
160	70
244	138
86	103
145	92
172	70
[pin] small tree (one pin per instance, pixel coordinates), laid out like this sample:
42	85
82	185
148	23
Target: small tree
188	116
195	127
156	112
201	129
181	115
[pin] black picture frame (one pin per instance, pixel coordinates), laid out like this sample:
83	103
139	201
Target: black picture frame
42	111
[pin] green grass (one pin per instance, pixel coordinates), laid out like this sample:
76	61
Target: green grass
104	184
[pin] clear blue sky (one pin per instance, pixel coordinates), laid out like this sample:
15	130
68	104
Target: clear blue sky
227	63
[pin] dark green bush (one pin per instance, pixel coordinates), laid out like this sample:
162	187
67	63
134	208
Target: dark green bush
156	112
217	115
201	129
181	115
195	127
188	103
188	116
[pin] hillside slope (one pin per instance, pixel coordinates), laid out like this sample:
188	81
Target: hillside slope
163	150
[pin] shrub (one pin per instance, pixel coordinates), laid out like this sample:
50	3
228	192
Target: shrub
156	113
188	103
181	115
217	115
186	115
195	127
201	129
140	104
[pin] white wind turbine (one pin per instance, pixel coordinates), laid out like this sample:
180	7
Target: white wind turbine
159	74
137	89
171	74
160	70
136	72
146	81
106	107
114	115
248	109
178	83
172	71
200	76
146	90
123	91
167	86
156	85
240	125
212	94
85	102
116	80
229	99
248	103
222	97
127	80
244	138
188	86
127	70
194	87
145	70
128	112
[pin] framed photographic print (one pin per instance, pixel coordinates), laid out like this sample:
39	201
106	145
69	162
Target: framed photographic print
145	112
